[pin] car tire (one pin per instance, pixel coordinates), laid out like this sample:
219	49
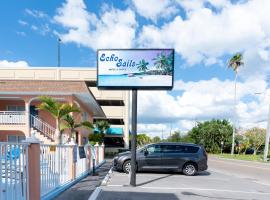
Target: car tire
127	166
190	169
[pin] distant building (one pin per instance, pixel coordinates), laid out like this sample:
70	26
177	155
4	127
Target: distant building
21	87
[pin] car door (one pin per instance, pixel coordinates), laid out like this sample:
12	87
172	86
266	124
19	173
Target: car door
150	158
172	156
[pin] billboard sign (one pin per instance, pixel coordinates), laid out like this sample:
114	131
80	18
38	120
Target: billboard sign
135	68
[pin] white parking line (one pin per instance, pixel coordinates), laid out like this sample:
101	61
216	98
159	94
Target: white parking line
196	189
250	166
179	176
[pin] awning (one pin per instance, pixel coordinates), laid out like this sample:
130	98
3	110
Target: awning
111	131
115	131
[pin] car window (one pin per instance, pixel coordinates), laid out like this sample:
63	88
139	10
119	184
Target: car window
173	149
154	149
190	149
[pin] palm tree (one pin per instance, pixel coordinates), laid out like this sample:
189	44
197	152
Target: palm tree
102	126
235	62
142	66
164	63
57	110
69	123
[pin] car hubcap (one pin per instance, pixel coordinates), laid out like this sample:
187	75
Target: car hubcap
190	169
127	167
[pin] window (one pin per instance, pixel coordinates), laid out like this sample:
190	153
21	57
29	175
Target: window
153	149
15	138
15	108
114	142
190	149
85	116
173	149
179	149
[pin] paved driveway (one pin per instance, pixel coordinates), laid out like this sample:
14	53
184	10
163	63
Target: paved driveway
225	179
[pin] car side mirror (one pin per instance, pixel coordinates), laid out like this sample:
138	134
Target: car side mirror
146	152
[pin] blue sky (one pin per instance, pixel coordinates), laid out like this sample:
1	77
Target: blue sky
204	34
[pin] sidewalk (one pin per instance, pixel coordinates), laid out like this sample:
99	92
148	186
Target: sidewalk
83	189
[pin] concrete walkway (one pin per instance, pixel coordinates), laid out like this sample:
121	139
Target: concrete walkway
83	189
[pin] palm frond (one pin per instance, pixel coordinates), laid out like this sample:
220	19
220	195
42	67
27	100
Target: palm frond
236	61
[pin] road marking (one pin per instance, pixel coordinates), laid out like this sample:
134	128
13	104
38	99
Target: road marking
95	194
198	189
179	176
268	169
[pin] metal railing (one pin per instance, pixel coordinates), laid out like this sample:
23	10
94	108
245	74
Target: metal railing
42	126
12	117
13	171
61	164
55	167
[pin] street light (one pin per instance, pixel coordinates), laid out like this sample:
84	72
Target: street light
222	146
58	52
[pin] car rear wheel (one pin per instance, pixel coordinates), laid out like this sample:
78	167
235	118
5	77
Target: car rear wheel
189	169
127	166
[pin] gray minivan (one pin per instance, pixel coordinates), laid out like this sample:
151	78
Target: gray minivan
188	158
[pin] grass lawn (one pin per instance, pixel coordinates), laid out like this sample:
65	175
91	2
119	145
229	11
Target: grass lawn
241	157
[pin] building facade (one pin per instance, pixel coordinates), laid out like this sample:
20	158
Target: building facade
21	87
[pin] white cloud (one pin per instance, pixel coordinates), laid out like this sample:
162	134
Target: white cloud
36	13
205	34
114	28
33	27
205	100
21	33
5	63
22	23
153	130
155	9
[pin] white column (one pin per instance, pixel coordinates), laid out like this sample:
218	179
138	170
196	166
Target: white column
27	119
126	119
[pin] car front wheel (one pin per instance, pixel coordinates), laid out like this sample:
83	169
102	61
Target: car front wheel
189	169
127	166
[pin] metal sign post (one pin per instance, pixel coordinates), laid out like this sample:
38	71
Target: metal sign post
135	69
133	138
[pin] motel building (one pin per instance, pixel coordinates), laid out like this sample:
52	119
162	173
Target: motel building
20	89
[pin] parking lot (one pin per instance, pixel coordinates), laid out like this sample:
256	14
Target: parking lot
225	179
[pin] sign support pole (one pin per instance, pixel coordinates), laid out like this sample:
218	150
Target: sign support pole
133	138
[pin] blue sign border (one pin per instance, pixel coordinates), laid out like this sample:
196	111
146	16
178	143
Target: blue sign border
135	87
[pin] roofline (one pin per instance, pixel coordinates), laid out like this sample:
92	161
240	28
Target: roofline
47	68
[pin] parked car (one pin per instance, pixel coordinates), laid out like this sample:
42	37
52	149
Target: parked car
187	158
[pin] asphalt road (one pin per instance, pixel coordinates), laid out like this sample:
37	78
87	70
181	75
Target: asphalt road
225	179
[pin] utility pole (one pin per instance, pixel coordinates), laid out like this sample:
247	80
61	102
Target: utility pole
133	138
266	145
58	52
267	137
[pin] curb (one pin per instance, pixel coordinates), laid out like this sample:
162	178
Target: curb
95	194
107	177
104	182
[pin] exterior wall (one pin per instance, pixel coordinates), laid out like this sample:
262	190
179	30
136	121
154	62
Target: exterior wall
74	74
5	103
43	115
4	134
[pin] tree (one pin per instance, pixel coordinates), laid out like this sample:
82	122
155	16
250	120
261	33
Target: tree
57	110
164	63
211	134
70	124
257	137
143	139
142	65
175	137
156	139
101	127
235	62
